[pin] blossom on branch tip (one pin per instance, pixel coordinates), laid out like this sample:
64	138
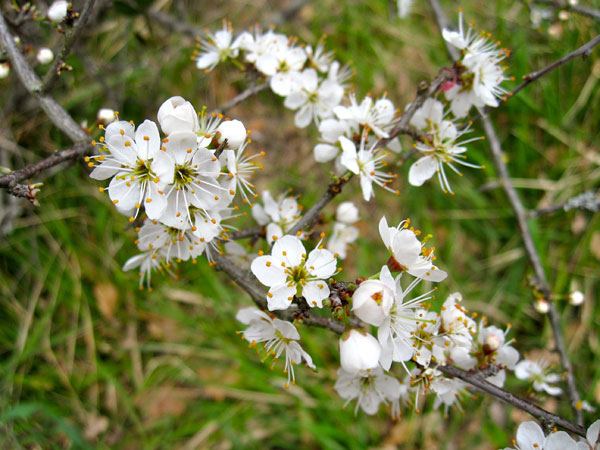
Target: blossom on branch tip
481	72
278	337
218	47
288	272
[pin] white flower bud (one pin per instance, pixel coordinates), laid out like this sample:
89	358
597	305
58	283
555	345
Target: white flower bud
105	115
541	306
45	55
576	298
347	213
359	351
372	302
234	131
58	11
491	343
177	114
17	40
4	70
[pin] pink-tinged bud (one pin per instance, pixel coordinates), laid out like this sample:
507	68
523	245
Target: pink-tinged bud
491	343
541	306
372	302
359	351
234	131
446	86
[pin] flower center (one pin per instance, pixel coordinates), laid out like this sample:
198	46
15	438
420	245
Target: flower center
184	175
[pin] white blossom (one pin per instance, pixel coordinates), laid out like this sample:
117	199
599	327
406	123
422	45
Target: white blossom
140	170
314	100
347	213
370	389
441	149
289	272
278	216
217	48
537	372
279	337
378	116
408	253
479	83
367	164
341	236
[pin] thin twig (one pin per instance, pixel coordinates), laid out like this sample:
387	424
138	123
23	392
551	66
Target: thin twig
546	417
588	201
583	51
56	113
252	90
579	9
258	293
71	36
254	232
534	258
12	180
521	215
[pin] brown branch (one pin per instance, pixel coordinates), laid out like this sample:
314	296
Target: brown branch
12	180
583	51
588	201
546	417
71	36
521	216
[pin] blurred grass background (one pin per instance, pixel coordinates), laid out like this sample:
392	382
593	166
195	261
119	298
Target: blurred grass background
89	361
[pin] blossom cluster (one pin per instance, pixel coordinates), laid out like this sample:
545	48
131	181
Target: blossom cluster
357	134
531	436
185	182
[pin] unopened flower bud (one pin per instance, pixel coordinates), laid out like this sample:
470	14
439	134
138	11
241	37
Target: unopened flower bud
347	213
359	351
541	306
4	70
372	302
45	55
327	302
234	131
576	298
58	11
491	344
177	114
105	115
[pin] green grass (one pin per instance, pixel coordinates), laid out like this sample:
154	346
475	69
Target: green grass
165	368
